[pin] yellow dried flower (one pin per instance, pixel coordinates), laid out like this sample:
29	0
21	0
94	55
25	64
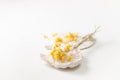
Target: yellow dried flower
58	39
57	44
57	53
67	47
72	36
63	59
70	58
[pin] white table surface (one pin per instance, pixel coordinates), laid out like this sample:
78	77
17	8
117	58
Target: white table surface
22	22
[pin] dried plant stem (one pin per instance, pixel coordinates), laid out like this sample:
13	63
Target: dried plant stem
93	42
86	38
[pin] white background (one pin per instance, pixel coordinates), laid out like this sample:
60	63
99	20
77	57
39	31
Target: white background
22	22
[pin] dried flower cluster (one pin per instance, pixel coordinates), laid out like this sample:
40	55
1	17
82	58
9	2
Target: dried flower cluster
64	51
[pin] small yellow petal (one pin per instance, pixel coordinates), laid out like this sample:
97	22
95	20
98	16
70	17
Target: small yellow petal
72	36
57	44
63	59
67	47
70	58
58	39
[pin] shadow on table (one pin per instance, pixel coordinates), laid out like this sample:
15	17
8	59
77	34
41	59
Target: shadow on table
81	69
